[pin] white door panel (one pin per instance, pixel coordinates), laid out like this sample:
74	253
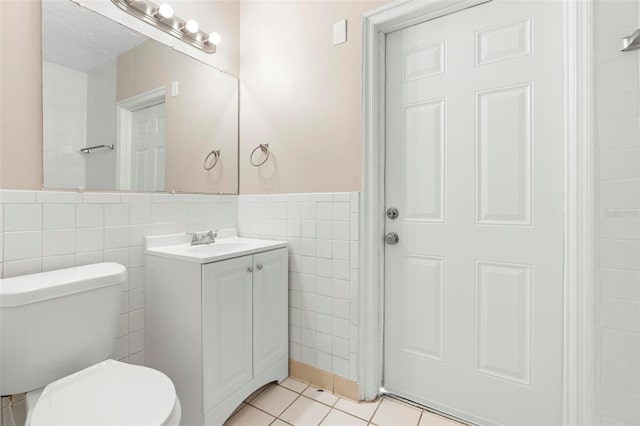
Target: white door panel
474	164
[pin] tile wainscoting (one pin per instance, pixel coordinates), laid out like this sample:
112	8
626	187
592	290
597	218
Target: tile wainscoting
322	231
46	230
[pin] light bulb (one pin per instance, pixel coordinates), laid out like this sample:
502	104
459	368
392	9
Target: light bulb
190	27
165	11
214	38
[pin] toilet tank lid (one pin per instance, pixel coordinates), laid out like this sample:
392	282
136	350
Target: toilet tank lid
27	289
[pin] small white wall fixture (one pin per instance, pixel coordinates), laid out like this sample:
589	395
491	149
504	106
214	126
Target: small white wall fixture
578	230
126	109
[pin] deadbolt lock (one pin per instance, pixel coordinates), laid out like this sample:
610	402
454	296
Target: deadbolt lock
392	213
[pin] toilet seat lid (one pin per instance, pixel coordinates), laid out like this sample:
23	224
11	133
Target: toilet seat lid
108	393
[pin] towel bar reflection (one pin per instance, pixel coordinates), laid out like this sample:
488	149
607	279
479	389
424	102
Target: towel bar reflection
88	149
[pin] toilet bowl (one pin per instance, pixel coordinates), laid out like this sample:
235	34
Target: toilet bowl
58	330
108	393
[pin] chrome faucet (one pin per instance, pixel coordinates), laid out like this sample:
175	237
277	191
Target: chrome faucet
199	239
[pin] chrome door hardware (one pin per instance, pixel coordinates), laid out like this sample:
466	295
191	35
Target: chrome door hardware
632	42
392	213
259	266
250	269
391	238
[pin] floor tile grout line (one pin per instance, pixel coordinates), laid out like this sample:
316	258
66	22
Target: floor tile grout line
288	406
293	390
248	403
425	409
332	407
350	414
310	399
325	416
259	390
376	410
278	418
260	409
356	416
262	389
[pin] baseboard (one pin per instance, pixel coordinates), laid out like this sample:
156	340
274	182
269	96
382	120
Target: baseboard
324	380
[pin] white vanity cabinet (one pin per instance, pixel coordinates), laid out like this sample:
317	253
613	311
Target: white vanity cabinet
218	329
244	321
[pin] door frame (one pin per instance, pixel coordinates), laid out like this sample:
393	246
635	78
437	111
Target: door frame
578	371
125	110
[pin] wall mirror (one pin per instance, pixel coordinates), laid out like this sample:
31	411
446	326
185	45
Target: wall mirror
125	112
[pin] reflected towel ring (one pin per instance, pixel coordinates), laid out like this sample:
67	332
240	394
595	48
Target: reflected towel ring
264	147
215	153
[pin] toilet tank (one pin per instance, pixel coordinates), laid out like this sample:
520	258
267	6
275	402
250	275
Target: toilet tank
55	323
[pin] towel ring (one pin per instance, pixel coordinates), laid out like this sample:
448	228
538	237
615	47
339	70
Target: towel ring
264	147
215	153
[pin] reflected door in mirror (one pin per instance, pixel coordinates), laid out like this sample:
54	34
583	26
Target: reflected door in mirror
148	148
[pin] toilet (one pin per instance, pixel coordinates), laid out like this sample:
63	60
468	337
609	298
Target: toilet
57	332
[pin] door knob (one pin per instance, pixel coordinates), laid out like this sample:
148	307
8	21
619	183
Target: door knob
259	266
391	238
392	213
250	269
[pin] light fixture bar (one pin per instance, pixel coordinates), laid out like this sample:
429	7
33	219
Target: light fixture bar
177	27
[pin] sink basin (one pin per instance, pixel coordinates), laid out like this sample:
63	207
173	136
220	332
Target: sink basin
220	246
227	246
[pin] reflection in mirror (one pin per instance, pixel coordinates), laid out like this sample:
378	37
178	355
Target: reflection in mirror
124	112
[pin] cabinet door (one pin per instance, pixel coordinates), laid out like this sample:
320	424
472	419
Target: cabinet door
271	309
226	329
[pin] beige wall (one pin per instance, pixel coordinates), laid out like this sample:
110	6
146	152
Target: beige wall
21	95
301	94
204	115
21	77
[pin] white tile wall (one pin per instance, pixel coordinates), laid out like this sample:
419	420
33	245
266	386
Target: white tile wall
617	80
322	231
100	166
64	102
45	230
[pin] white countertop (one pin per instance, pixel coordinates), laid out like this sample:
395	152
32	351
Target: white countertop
228	245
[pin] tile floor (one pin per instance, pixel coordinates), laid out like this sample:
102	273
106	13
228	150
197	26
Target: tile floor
298	404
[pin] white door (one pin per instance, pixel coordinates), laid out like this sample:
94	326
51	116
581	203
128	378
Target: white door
227	327
148	149
270	309
474	164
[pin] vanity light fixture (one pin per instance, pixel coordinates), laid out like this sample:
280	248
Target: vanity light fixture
214	38
165	11
162	17
190	27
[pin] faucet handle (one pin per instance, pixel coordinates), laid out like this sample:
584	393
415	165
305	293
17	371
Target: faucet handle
212	233
194	236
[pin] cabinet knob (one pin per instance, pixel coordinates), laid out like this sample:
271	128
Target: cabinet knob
250	269
259	266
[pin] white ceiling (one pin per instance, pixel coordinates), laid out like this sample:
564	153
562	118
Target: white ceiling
78	38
